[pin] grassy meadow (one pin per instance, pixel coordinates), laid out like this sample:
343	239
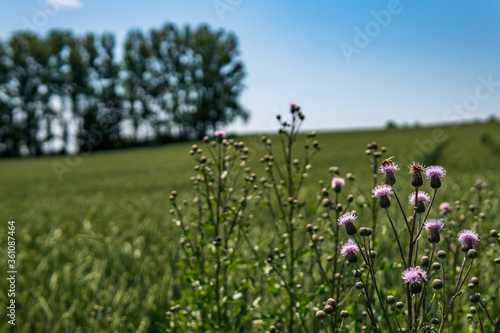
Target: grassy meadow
96	248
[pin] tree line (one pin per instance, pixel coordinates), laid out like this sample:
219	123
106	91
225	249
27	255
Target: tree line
59	91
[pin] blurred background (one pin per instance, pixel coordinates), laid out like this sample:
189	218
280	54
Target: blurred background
153	77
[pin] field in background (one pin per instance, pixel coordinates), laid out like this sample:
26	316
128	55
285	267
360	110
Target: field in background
96	247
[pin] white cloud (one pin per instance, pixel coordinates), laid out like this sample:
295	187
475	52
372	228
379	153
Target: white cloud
65	3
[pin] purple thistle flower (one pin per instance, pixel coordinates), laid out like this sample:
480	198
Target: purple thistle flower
421	197
220	133
414	275
444	206
435	171
468	238
346	218
465	236
381	190
338	181
433	224
349	247
388	167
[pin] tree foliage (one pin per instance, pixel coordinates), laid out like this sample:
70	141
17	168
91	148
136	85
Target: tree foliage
66	93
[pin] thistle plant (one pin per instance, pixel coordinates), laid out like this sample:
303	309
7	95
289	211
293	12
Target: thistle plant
335	258
212	234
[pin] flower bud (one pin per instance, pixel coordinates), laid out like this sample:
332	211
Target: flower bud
359	285
365	232
400	305
328	309
472	254
344	314
441	254
320	314
436	265
437	284
332	303
391	299
475	298
424	261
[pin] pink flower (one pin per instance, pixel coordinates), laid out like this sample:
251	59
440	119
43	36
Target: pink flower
435	171
388	167
381	190
349	247
338	181
220	133
444	206
346	218
414	275
468	236
433	224
422	197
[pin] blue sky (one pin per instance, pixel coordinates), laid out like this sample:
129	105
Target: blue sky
349	64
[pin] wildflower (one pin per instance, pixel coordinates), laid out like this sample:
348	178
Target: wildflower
350	249
422	198
468	238
414	276
434	226
388	167
435	172
416	171
444	206
220	135
381	193
347	220
337	183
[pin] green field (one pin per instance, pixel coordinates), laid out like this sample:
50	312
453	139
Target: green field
96	247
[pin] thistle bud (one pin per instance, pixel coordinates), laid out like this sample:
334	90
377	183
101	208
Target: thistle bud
475	298
320	314
332	303
344	314
365	232
472	254
437	284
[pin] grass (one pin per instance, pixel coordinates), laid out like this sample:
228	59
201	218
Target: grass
96	251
